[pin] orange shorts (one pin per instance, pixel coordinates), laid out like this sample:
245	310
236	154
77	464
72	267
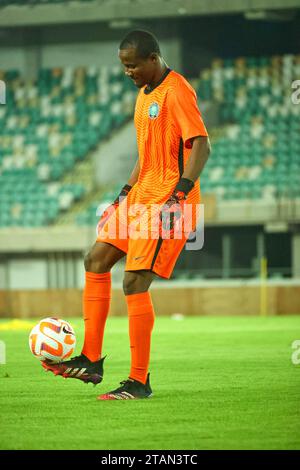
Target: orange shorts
155	254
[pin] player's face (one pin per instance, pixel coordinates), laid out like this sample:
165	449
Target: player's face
140	70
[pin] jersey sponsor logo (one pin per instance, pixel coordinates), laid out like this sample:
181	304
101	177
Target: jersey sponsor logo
153	110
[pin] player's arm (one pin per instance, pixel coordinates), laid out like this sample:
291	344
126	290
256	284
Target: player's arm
197	159
194	166
172	210
190	126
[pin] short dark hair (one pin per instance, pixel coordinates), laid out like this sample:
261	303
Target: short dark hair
144	42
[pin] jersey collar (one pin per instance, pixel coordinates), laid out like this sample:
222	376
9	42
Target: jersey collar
148	88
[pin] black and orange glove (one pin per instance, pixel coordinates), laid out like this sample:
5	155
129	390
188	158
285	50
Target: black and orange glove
112	207
171	215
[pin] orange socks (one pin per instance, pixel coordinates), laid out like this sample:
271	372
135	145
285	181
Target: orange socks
96	303
141	321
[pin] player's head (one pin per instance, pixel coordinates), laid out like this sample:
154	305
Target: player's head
139	52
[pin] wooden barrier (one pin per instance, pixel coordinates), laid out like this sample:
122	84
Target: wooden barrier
233	300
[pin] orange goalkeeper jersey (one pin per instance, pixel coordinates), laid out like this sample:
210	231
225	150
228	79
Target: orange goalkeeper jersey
166	118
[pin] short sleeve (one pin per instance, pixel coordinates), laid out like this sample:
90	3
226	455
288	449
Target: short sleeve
186	114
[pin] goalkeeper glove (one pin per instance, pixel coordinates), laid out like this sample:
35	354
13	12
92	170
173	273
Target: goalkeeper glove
112	207
171	214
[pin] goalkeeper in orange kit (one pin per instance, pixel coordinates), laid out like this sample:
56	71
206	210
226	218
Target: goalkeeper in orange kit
173	147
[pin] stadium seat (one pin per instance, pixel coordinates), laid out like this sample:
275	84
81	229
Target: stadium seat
257	112
47	127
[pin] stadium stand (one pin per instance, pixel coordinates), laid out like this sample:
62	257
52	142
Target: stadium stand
258	155
46	128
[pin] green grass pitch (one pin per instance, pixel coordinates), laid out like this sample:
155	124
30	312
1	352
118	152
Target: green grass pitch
218	382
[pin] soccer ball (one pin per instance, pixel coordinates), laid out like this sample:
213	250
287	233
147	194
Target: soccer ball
52	339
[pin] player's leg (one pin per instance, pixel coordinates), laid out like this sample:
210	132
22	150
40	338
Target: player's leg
141	322
97	294
88	367
162	257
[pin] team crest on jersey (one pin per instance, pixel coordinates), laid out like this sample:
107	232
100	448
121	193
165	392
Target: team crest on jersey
153	110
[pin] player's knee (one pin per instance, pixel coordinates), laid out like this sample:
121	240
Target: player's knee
130	283
93	264
134	283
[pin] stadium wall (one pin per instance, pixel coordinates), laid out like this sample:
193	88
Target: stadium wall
169	298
